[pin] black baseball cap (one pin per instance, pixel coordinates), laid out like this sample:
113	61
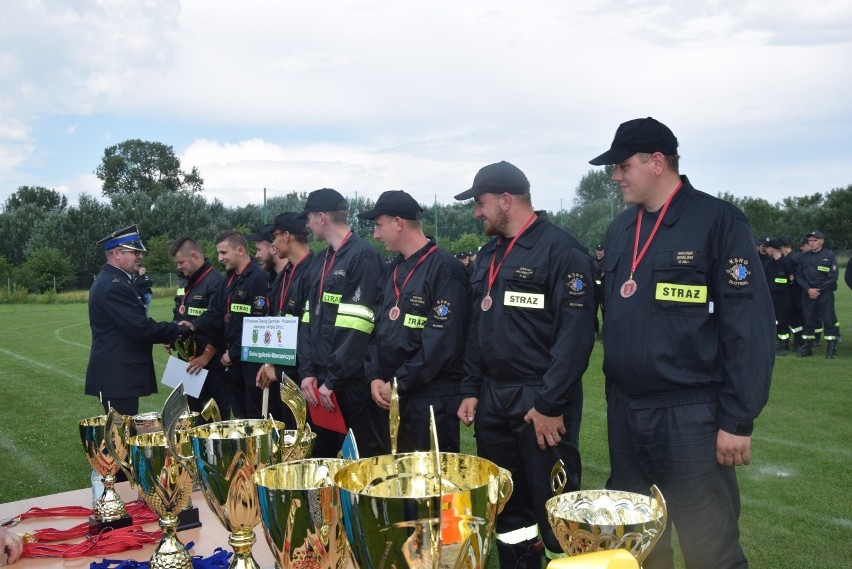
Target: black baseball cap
598	247
638	135
324	199
785	240
773	243
498	178
764	240
126	238
291	222
395	203
816	233
262	234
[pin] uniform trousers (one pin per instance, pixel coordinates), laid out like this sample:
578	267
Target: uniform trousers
254	397
783	306
214	388
235	388
674	447
503	437
414	433
819	309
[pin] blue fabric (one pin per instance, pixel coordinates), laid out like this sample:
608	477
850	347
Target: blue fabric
219	560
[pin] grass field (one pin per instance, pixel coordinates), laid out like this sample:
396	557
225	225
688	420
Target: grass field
797	511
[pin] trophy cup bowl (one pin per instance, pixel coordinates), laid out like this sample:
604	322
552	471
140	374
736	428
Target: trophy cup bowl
301	515
226	456
593	520
153	421
422	510
109	509
303	449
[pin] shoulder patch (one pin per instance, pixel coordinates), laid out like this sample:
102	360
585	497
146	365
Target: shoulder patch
738	272
259	302
575	284
442	310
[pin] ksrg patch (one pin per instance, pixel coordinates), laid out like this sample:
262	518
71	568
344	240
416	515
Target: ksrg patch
442	310
738	272
575	284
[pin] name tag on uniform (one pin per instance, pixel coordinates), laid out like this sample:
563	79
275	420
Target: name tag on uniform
523	299
412	321
780	280
242	308
196	311
823	268
681	293
331	298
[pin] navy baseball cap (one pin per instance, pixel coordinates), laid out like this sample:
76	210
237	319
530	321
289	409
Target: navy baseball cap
498	178
262	234
395	203
291	222
324	199
127	238
816	233
639	135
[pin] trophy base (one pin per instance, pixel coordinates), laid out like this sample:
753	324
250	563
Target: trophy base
188	519
96	526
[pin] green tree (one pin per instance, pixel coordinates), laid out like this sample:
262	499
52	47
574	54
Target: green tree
598	186
149	167
834	219
37	196
44	269
16	228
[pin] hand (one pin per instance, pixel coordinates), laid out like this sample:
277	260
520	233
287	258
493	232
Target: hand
732	450
381	392
187	324
226	360
467	410
168	348
265	376
12	543
548	430
325	398
308	386
198	363
813	292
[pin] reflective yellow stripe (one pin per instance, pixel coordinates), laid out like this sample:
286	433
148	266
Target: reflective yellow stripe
823	268
195	311
331	298
243	308
354	316
306	316
781	280
413	321
180	292
519	535
681	293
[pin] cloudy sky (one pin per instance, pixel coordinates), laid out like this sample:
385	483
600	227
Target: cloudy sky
371	95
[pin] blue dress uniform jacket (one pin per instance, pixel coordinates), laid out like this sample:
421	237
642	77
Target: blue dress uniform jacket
120	361
700	325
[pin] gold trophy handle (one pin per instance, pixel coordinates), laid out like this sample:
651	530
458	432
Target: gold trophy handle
211	412
505	486
173	409
292	397
113	430
558	477
394	417
664	519
435	451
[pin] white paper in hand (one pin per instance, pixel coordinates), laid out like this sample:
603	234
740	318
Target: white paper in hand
176	373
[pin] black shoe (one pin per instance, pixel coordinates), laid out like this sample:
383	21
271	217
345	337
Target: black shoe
783	348
806	350
831	349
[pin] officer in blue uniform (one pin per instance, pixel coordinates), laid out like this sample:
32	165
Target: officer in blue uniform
531	333
421	324
121	366
688	346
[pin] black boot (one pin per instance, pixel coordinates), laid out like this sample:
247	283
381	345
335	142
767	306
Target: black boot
831	349
816	339
797	340
807	349
783	348
525	555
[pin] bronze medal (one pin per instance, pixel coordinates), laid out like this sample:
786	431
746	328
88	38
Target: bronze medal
486	303
181	309
393	314
628	289
227	317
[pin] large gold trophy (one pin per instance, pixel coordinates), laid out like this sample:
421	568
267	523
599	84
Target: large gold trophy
166	485
109	509
300	510
227	454
422	510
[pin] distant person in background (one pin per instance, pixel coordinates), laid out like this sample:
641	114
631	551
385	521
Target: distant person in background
780	276
817	276
599	276
143	283
848	275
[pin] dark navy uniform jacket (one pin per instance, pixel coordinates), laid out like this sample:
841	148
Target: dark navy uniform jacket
201	288
701	326
424	347
780	276
239	295
120	360
540	327
338	319
817	270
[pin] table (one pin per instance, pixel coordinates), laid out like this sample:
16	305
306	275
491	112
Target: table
207	538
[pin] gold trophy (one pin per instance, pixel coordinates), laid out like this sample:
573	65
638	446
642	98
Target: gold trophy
300	510
166	485
593	520
227	454
422	510
109	509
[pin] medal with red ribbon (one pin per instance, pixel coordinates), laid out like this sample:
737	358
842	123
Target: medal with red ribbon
487	301
393	313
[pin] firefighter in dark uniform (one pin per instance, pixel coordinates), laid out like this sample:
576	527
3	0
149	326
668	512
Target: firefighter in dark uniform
781	277
421	324
337	324
599	276
795	296
531	333
688	346
817	277
121	366
242	293
289	293
198	285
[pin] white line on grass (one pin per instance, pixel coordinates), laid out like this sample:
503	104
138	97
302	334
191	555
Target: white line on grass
23	460
57	334
807	447
41	365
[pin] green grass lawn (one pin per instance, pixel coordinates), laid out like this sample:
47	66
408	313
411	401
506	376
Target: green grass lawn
797	512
